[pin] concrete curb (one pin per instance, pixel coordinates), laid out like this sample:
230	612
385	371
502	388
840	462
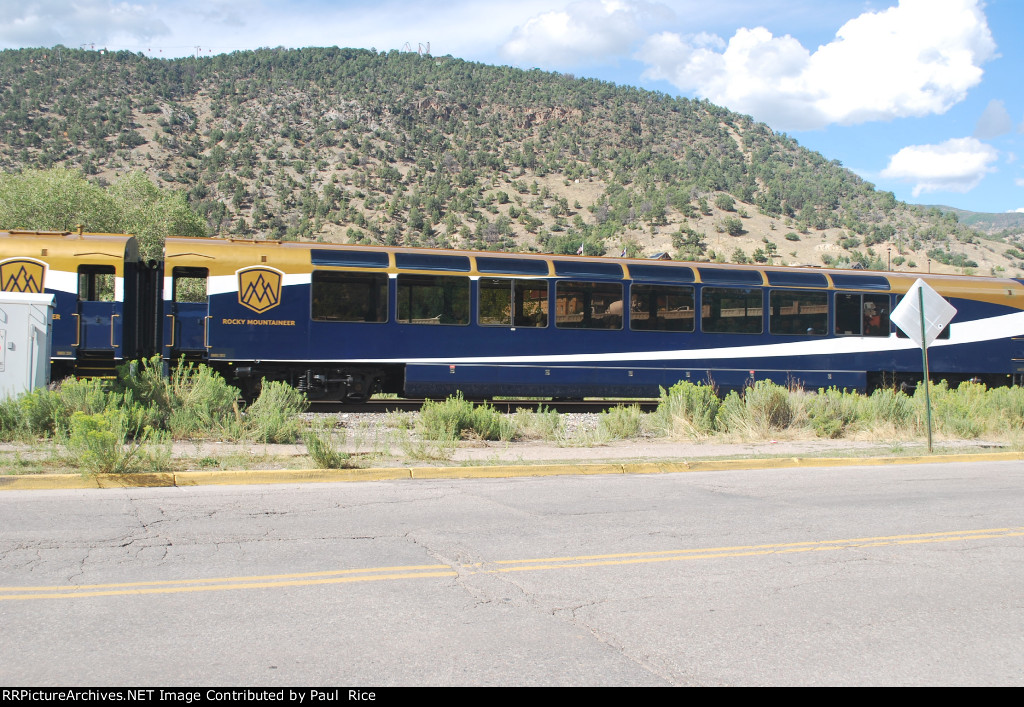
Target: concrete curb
302	476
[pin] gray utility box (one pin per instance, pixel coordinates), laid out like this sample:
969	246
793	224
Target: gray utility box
26	328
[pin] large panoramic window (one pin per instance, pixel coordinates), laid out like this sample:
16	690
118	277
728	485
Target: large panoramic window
731	310
349	296
513	302
862	315
433	299
661	308
798	313
588	305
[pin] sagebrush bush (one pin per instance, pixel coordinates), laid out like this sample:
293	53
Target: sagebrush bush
764	407
451	418
322	444
192	402
686	409
888	406
620	422
274	416
110	442
542	423
833	412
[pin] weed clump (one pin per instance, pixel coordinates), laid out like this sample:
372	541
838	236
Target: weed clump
273	416
323	446
456	416
620	422
687	410
764	408
833	412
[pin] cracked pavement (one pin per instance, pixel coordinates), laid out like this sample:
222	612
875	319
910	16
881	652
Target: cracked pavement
797	576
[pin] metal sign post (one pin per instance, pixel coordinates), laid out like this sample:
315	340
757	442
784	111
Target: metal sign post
922	315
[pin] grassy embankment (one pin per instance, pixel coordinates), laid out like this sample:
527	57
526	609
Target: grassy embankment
132	423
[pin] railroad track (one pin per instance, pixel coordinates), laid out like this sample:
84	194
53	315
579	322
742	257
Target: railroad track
405	404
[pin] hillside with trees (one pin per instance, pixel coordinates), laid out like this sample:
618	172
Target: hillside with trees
347	145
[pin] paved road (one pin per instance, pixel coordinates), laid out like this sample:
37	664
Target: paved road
899	575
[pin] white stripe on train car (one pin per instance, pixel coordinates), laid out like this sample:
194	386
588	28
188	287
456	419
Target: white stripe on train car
977	331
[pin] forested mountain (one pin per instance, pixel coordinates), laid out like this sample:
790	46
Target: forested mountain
350	145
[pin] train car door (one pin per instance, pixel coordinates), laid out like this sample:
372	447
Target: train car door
99	313
187	312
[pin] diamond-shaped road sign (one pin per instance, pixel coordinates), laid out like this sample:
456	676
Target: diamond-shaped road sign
937	313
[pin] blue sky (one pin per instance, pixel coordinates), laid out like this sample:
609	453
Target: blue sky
920	97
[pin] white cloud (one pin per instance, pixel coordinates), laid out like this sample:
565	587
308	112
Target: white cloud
995	120
956	165
584	32
72	22
915	59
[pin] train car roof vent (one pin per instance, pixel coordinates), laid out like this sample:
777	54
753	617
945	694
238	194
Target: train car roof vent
725	276
793	278
586	268
344	258
860	282
660	273
429	261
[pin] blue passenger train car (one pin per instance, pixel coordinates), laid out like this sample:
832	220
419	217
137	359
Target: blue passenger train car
105	298
341	322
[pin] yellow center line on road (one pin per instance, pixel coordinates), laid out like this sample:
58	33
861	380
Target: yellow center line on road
377	574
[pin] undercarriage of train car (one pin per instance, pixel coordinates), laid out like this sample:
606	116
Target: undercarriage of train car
352	384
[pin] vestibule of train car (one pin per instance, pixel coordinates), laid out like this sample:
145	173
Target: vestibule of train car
188	312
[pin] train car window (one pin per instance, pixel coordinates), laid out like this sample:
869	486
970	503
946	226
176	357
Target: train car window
798	313
661	308
433	299
348	258
862	315
429	261
790	278
512	266
588	305
96	283
723	276
189	284
732	310
513	302
944	334
854	281
349	296
585	268
661	273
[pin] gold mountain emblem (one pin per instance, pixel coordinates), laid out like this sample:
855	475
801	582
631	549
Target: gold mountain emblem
259	289
18	275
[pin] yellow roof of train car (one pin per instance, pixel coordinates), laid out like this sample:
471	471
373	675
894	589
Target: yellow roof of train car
66	251
226	256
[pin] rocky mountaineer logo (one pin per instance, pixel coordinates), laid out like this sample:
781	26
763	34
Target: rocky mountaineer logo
22	276
259	289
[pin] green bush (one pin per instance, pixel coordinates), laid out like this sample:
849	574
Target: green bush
686	409
891	406
322	446
110	442
620	422
194	401
542	423
763	408
962	412
41	412
833	411
274	417
449	419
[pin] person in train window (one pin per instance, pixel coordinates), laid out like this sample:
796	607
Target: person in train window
872	320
